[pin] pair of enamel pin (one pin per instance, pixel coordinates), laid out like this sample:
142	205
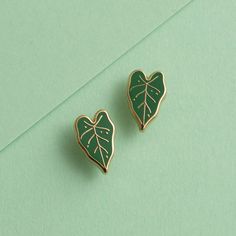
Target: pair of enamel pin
96	137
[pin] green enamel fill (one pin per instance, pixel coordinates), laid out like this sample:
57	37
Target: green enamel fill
145	95
96	138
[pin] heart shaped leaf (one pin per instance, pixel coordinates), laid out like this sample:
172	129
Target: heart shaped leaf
145	95
96	138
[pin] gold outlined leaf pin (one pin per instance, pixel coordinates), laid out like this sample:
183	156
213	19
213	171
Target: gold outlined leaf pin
96	137
145	95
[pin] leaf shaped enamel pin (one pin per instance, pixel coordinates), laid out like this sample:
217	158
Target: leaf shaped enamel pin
96	138
145	95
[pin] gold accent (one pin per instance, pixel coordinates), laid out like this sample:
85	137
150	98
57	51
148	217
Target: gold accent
148	78
104	168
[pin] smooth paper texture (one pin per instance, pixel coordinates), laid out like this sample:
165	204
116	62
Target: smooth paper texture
49	49
175	178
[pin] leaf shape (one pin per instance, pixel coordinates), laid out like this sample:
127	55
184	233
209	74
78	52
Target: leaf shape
145	95
96	138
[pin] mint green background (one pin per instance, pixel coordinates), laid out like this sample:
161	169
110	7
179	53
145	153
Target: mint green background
176	178
50	49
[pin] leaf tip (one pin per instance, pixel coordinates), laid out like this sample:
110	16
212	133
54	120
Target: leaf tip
142	127
105	169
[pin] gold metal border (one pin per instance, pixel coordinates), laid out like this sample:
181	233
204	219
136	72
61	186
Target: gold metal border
142	127
102	168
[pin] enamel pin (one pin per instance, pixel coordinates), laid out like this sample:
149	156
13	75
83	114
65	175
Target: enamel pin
96	137
145	95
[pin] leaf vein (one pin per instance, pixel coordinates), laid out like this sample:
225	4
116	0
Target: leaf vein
154	88
151	97
135	86
82	135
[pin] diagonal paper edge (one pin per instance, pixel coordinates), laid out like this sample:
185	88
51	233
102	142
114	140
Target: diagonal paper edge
98	74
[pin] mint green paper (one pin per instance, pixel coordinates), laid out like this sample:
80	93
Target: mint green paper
50	49
183	185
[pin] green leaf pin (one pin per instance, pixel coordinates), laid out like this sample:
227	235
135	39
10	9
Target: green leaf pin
96	137
145	95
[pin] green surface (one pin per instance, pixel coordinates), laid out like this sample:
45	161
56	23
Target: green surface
183	185
96	138
50	49
145	95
